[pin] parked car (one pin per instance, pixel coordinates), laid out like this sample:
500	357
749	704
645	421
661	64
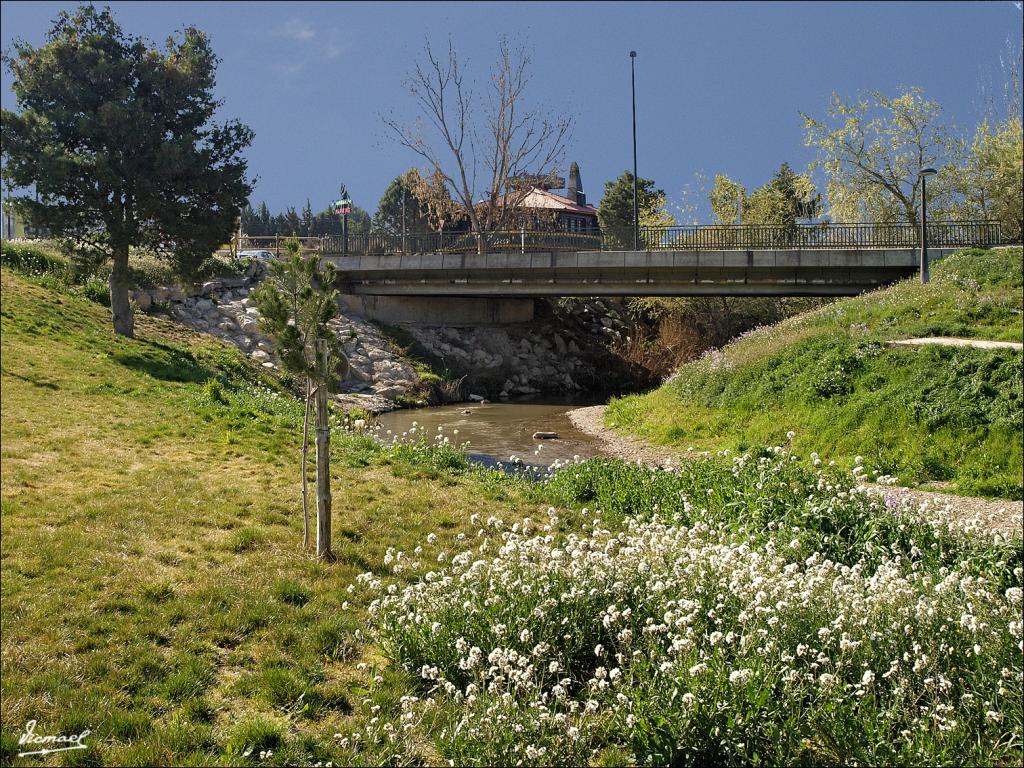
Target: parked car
260	255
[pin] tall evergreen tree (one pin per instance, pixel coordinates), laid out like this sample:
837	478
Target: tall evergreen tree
307	219
615	213
400	194
787	197
117	139
292	223
266	221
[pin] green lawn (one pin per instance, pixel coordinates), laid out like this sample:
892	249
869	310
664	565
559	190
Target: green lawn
924	414
154	588
744	609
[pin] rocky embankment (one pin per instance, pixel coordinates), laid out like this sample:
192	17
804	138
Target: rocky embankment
567	349
223	308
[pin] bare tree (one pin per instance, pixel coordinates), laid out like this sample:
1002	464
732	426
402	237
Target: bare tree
497	140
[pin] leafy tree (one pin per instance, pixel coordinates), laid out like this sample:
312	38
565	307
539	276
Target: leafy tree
442	211
296	303
116	137
615	213
988	182
401	193
872	150
726	198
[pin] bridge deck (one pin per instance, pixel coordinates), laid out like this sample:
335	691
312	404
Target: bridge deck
818	272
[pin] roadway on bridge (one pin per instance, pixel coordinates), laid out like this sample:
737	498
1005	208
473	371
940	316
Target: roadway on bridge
818	272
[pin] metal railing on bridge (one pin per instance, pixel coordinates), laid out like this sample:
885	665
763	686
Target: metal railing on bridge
804	236
941	234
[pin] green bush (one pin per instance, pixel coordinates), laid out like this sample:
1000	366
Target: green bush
32	258
217	266
96	289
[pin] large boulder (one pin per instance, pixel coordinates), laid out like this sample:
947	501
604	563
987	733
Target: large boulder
222	283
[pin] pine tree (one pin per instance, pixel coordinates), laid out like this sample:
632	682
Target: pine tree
117	139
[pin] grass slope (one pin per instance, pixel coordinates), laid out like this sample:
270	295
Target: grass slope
154	589
924	414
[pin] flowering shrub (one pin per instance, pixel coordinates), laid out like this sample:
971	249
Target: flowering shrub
803	509
780	616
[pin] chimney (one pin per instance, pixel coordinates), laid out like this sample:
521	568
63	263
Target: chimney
575	189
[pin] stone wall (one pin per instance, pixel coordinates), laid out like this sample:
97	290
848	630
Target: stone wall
566	349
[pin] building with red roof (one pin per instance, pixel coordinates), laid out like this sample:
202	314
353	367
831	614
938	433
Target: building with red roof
540	208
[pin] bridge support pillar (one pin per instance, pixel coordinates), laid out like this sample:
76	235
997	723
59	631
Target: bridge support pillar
438	310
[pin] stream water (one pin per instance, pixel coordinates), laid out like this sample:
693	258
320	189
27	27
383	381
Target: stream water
498	431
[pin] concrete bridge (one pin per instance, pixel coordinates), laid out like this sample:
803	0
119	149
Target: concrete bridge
499	286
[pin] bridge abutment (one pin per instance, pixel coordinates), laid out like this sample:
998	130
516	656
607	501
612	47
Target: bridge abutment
438	310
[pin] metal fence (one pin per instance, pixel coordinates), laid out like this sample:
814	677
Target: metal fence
802	236
274	243
520	241
941	234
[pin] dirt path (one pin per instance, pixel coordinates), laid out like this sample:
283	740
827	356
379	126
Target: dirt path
943	341
996	514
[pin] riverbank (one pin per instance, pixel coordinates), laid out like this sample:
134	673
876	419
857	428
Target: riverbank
995	514
590	420
853	378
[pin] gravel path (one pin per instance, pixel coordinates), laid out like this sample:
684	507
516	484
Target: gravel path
631	449
996	514
946	341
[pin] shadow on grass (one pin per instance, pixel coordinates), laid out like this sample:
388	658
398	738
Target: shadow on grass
34	381
162	361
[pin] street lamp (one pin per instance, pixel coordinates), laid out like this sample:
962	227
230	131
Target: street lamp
636	210
923	174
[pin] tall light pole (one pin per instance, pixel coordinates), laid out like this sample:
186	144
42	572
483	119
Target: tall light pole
923	174
636	208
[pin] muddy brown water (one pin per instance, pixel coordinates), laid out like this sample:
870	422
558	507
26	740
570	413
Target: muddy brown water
498	431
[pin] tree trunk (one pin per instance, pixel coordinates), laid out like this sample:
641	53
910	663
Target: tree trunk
323	465
305	461
124	323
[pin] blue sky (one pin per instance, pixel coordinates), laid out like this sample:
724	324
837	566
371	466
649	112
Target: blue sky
719	85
